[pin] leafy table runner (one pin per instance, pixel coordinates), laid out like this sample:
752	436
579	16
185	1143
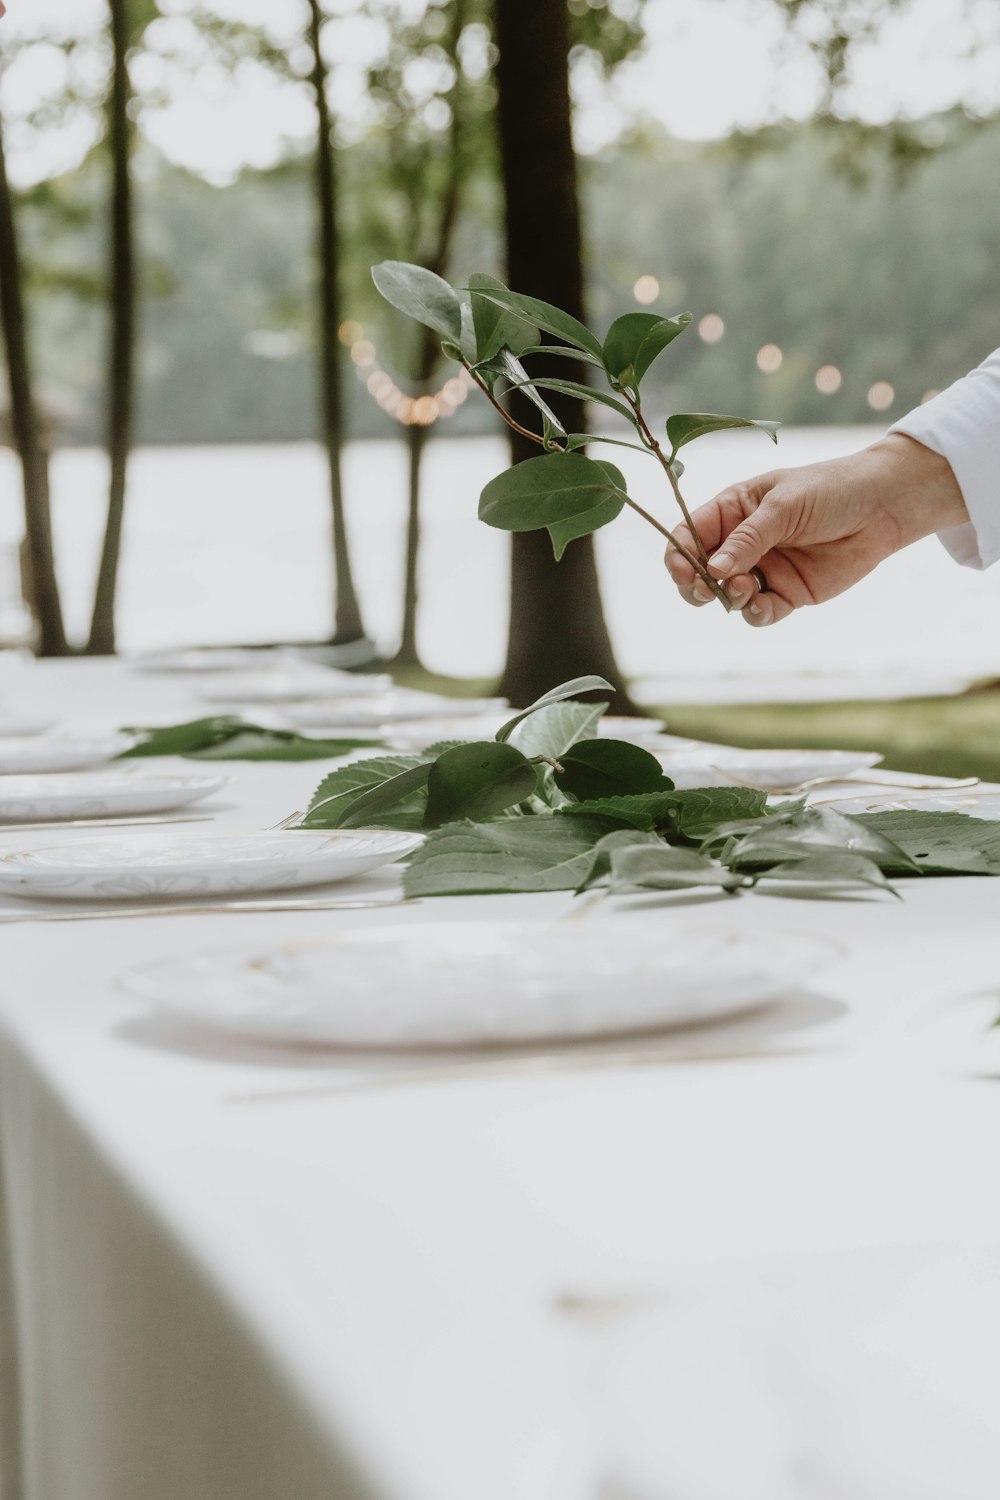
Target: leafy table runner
228	737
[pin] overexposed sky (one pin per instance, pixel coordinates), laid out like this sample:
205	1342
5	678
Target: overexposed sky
709	65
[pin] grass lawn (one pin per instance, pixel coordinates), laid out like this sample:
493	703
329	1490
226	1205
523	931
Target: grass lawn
955	736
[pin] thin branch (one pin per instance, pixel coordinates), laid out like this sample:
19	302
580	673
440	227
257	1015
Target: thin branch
700	565
654	448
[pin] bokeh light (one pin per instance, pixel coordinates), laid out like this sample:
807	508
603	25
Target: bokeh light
646	289
711	328
769	359
828	380
881	395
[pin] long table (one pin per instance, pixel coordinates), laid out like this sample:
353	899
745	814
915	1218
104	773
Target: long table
753	1262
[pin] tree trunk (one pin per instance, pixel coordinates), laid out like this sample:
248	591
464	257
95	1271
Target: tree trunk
430	344
408	655
121	361
347	611
44	589
557	627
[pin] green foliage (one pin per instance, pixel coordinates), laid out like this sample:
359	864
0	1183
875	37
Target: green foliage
685	428
609	768
605	815
477	781
422	295
634	340
226	737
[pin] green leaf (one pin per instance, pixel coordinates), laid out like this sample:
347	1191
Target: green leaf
562	352
541	853
555	487
686	427
421	295
689	814
621	838
339	794
584	392
477	781
833	870
634	341
562	533
938	843
574	440
544	315
514	372
553	730
664	868
555	695
495	328
226	737
609	768
783	835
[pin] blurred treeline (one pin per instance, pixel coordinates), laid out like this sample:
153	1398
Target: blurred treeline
887	273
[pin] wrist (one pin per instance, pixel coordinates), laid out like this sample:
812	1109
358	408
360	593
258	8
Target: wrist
919	488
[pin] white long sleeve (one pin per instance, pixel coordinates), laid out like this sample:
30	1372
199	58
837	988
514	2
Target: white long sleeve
963	425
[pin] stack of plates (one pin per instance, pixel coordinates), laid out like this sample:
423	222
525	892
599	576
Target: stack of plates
117	793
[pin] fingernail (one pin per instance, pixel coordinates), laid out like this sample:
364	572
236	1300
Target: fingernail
755	609
702	593
723	563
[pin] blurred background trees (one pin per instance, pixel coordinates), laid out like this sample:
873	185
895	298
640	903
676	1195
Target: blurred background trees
840	264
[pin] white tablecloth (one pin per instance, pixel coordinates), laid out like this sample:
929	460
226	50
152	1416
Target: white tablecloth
754	1263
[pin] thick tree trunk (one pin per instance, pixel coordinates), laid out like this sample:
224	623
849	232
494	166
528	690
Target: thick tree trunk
44	589
347	611
121	363
557	627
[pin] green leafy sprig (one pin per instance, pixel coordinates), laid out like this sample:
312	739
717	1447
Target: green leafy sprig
489	330
548	805
228	737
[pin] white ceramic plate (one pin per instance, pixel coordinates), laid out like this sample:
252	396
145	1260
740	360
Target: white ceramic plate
188	863
57	753
402	710
720	765
631	729
882	799
294	686
208	659
477	983
17	726
100	794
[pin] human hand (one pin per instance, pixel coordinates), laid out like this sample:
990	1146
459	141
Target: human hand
816	530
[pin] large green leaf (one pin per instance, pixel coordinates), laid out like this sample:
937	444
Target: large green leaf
634	341
691	814
574	440
939	843
588	521
399	803
784	835
226	737
553	730
559	694
832	871
543	491
609	768
477	781
421	295
541	853
665	868
516	375
544	315
561	351
495	327
687	426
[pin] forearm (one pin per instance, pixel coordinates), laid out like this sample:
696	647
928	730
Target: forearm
918	487
962	425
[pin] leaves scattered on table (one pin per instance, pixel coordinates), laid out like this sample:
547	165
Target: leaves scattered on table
549	806
227	737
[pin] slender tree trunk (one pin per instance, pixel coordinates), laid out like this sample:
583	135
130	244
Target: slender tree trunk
557	627
430	348
347	615
407	655
121	362
44	588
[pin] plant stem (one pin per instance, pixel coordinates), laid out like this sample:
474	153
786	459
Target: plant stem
700	565
657	451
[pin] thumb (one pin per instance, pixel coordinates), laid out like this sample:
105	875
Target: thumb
748	542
